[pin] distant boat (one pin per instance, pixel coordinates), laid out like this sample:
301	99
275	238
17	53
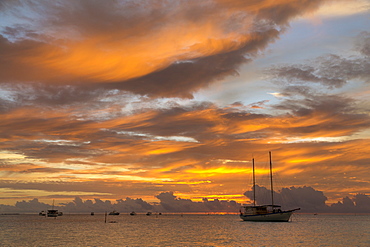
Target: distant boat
132	213
53	212
42	213
149	213
114	212
92	213
269	213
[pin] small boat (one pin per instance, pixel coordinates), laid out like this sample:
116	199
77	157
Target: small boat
42	213
269	213
114	212
149	213
52	212
92	213
132	213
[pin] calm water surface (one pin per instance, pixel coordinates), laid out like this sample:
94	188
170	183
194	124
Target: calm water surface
186	230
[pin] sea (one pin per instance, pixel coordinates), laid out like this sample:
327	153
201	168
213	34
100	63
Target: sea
182	230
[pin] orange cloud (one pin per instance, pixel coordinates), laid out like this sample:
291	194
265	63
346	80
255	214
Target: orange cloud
124	45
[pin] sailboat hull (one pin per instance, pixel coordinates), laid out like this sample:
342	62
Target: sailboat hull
271	217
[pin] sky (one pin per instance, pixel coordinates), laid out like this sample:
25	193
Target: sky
148	99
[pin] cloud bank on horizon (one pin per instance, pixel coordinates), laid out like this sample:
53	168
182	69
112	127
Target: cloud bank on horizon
307	199
103	101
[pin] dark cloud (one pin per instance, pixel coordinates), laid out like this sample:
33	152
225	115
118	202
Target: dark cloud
47	95
167	203
171	203
360	203
363	43
331	71
121	205
306	198
31	206
182	79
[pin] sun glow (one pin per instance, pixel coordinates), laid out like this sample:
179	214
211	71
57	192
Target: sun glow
226	170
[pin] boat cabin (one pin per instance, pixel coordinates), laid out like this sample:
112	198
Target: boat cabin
52	213
263	209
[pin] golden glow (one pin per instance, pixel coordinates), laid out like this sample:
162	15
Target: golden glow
164	150
11	156
249	127
44	193
187	182
199	197
227	170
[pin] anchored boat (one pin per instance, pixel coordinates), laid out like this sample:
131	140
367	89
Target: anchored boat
268	213
53	212
114	212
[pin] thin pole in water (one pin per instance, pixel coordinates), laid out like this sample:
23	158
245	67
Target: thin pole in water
105	217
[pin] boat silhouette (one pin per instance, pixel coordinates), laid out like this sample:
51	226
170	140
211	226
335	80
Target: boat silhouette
269	213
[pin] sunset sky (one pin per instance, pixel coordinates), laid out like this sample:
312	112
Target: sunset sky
133	98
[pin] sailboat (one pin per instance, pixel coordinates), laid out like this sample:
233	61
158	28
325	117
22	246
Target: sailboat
268	213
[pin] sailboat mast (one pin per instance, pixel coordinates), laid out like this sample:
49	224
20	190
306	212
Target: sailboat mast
272	187
254	184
